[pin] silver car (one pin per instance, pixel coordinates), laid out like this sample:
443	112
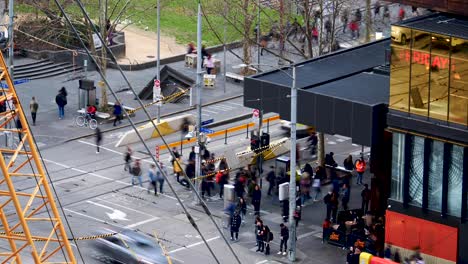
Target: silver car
129	247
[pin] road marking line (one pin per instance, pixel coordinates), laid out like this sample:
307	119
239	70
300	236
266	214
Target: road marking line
206	110
191	245
90	217
221	107
104	177
237	104
142	222
128	208
261	262
306	235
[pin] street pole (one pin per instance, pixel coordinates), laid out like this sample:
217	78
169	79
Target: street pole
292	178
199	87
158	69
10	38
368	21
258	32
224	46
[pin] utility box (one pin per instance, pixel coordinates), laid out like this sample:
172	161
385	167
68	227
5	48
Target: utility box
87	93
229	194
282	163
283	191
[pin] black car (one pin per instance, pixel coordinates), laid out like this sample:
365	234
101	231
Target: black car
129	247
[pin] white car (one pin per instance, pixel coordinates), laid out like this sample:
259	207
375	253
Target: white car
402	35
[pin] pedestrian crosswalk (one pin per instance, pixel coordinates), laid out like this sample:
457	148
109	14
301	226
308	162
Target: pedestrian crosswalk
233	108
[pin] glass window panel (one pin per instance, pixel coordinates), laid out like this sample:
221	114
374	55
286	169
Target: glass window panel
398	164
436	165
420	66
458	104
416	171
440	66
400	68
399	79
455	181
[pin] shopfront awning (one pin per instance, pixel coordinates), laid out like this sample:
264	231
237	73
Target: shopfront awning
339	93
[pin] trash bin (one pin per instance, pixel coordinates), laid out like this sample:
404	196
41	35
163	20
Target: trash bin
87	93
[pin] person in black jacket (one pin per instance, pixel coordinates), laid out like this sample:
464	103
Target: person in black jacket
242	207
348	163
267	238
284	232
61	100
256	198
235	224
259	234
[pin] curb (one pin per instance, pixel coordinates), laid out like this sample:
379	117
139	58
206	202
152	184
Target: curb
166	115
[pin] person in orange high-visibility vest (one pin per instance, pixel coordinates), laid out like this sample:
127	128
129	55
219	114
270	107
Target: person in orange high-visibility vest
360	169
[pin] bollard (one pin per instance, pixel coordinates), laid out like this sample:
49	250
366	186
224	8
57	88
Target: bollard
225	137
247	136
268	125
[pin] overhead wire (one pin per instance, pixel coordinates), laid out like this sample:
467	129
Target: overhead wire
190	218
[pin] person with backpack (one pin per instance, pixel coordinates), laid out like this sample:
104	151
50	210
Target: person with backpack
284	232
267	238
136	172
117	113
61	101
152	179
128	159
235	225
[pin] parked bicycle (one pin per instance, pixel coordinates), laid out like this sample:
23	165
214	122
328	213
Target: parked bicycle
85	120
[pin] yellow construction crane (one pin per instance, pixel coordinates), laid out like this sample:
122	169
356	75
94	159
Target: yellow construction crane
31	225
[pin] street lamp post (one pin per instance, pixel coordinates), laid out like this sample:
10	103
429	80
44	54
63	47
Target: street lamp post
157	90
292	177
199	87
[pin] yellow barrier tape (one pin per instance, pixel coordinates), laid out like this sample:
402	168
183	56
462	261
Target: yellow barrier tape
262	149
164	99
210	174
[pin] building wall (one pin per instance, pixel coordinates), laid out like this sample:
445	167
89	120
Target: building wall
431	238
459	7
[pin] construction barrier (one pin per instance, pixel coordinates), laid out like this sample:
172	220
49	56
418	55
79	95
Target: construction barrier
275	149
166	126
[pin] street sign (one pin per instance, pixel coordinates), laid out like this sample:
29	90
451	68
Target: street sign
255	116
206	130
157	88
255	113
157	153
15	82
206	122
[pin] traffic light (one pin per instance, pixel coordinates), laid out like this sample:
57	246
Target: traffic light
254	143
265	140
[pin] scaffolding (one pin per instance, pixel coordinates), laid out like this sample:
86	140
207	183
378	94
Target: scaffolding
31	226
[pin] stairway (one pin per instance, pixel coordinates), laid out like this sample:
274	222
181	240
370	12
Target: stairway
44	69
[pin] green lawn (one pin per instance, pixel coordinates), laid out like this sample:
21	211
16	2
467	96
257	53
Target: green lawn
178	17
